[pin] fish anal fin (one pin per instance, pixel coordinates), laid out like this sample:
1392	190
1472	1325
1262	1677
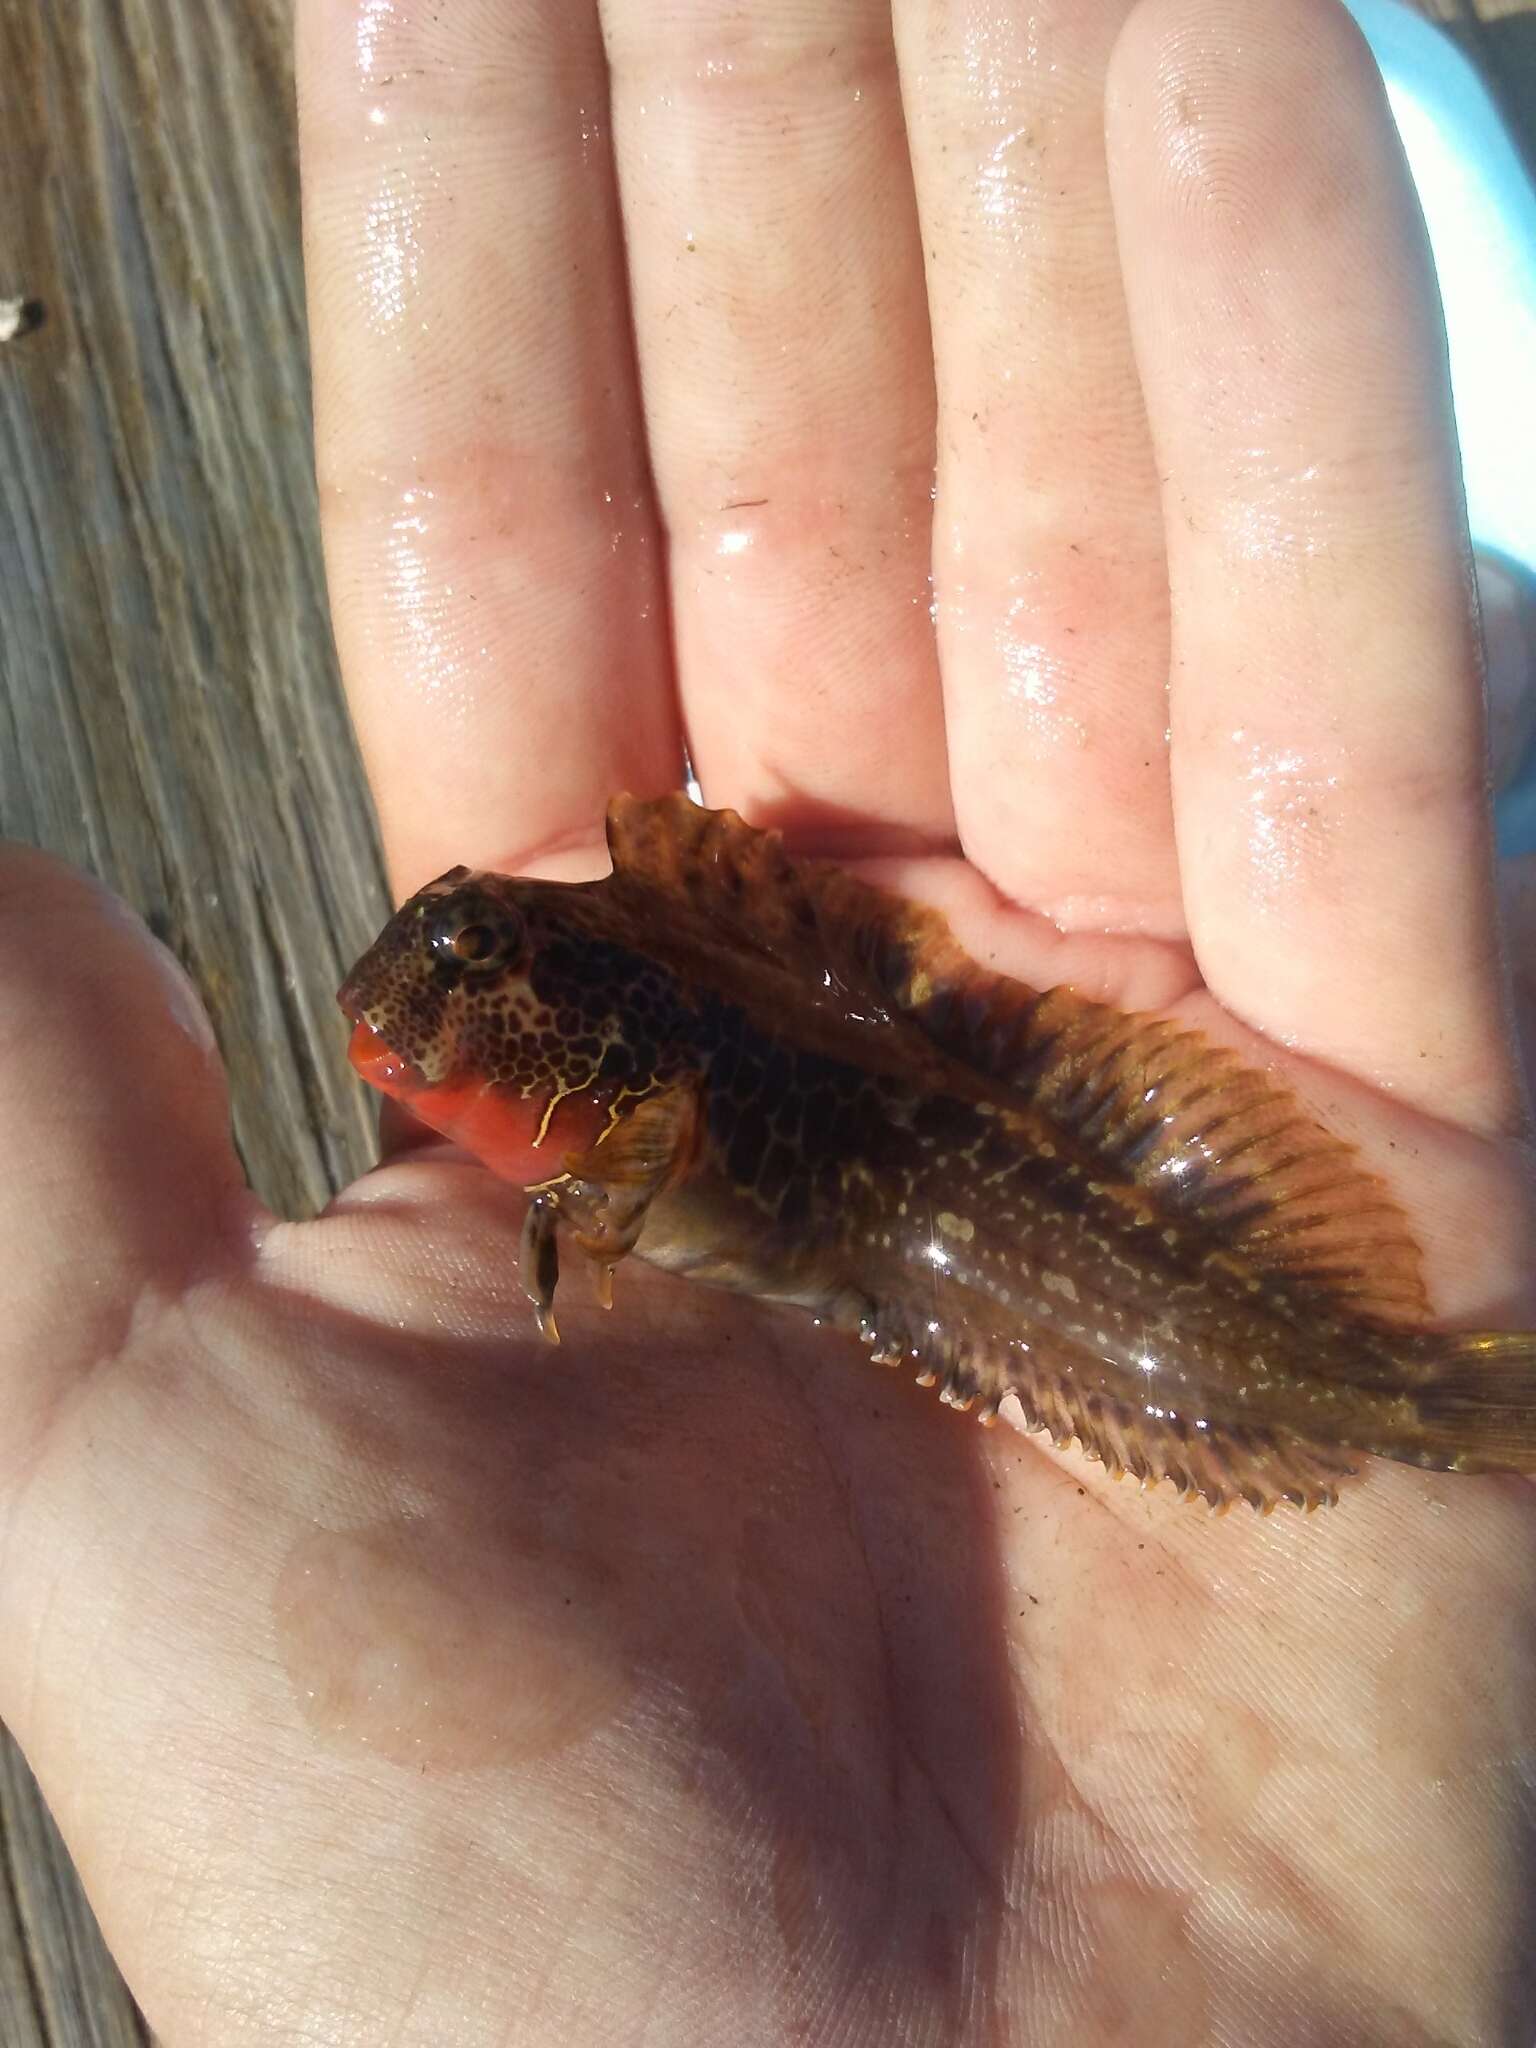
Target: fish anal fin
1145	1441
1217	1464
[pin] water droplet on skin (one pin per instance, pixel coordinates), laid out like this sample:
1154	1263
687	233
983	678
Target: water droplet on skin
1036	679
1286	795
392	249
373	18
591	134
1270	523
418	599
1002	194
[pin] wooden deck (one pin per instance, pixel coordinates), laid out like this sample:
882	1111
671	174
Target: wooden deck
169	708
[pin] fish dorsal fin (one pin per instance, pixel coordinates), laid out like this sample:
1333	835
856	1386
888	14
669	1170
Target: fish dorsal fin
1208	1140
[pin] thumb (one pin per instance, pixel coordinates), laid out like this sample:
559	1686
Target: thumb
120	1185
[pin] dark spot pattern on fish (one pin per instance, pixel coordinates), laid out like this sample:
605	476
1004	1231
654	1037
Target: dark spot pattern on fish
781	1080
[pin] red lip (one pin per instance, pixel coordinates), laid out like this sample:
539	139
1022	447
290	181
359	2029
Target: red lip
376	1062
522	1140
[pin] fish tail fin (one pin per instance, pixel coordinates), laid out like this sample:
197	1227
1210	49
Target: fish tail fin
1477	1402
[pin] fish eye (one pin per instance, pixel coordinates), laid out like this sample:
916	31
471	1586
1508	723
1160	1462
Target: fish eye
479	937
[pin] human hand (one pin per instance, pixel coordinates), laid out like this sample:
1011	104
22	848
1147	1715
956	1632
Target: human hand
696	1683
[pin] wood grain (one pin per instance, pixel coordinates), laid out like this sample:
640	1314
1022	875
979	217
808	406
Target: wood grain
169	710
57	1981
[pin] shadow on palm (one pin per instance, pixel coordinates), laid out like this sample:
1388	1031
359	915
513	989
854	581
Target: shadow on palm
939	1694
697	1559
703	1629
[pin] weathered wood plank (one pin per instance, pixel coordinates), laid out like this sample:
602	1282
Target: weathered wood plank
172	718
57	1982
169	714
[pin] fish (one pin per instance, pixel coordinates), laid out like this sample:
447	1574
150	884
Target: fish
767	1075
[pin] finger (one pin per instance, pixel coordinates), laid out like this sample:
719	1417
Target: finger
121	1188
783	338
1049	577
1329	777
491	541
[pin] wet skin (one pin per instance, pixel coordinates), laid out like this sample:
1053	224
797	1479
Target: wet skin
396	1679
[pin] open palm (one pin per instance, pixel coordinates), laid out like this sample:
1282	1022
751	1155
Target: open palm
696	1683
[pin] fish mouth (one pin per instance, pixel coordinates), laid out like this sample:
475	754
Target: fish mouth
376	1060
368	1049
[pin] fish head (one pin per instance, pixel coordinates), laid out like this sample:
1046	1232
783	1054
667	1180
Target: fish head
487	1008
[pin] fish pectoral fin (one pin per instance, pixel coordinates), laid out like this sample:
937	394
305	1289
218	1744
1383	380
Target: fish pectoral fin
650	1144
815	935
602	1196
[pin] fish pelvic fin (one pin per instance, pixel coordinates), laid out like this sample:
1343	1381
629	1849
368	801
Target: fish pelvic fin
1477	1403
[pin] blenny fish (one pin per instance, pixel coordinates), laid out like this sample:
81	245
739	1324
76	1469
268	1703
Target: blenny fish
768	1075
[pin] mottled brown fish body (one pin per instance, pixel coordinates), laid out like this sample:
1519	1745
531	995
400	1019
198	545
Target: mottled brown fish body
977	1246
808	1093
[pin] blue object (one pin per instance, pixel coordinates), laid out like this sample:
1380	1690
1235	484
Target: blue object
1480	210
